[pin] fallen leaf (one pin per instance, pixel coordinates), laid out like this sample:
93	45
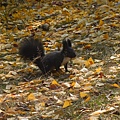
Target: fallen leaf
88	46
101	23
54	85
87	99
116	85
55	82
83	94
89	62
98	112
31	97
105	36
67	103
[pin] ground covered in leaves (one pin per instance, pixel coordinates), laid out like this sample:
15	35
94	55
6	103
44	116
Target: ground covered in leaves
91	88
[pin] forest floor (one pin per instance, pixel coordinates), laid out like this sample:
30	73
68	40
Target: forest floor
91	88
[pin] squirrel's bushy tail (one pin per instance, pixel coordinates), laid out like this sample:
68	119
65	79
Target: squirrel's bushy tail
31	48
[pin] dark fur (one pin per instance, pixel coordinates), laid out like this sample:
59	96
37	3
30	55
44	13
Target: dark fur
33	50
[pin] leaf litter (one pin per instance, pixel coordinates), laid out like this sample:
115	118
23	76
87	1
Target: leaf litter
91	88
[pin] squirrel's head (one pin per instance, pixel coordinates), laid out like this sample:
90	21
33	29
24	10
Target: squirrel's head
67	49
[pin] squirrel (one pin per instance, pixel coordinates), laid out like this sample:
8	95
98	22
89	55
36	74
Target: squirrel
33	50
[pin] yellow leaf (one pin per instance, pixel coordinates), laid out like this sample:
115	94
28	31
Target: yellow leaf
48	39
3	41
116	85
101	23
43	33
88	98
31	97
67	103
73	84
43	104
83	94
98	69
54	82
89	62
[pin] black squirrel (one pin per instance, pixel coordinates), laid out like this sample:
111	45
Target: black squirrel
33	50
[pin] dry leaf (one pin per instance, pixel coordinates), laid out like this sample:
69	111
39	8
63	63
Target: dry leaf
98	70
83	94
88	46
31	97
101	23
116	85
89	62
75	85
55	82
98	112
67	103
105	36
54	85
87	99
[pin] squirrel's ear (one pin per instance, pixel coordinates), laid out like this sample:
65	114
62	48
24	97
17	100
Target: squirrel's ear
65	44
69	43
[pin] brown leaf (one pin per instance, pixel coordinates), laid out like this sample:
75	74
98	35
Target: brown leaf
105	36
